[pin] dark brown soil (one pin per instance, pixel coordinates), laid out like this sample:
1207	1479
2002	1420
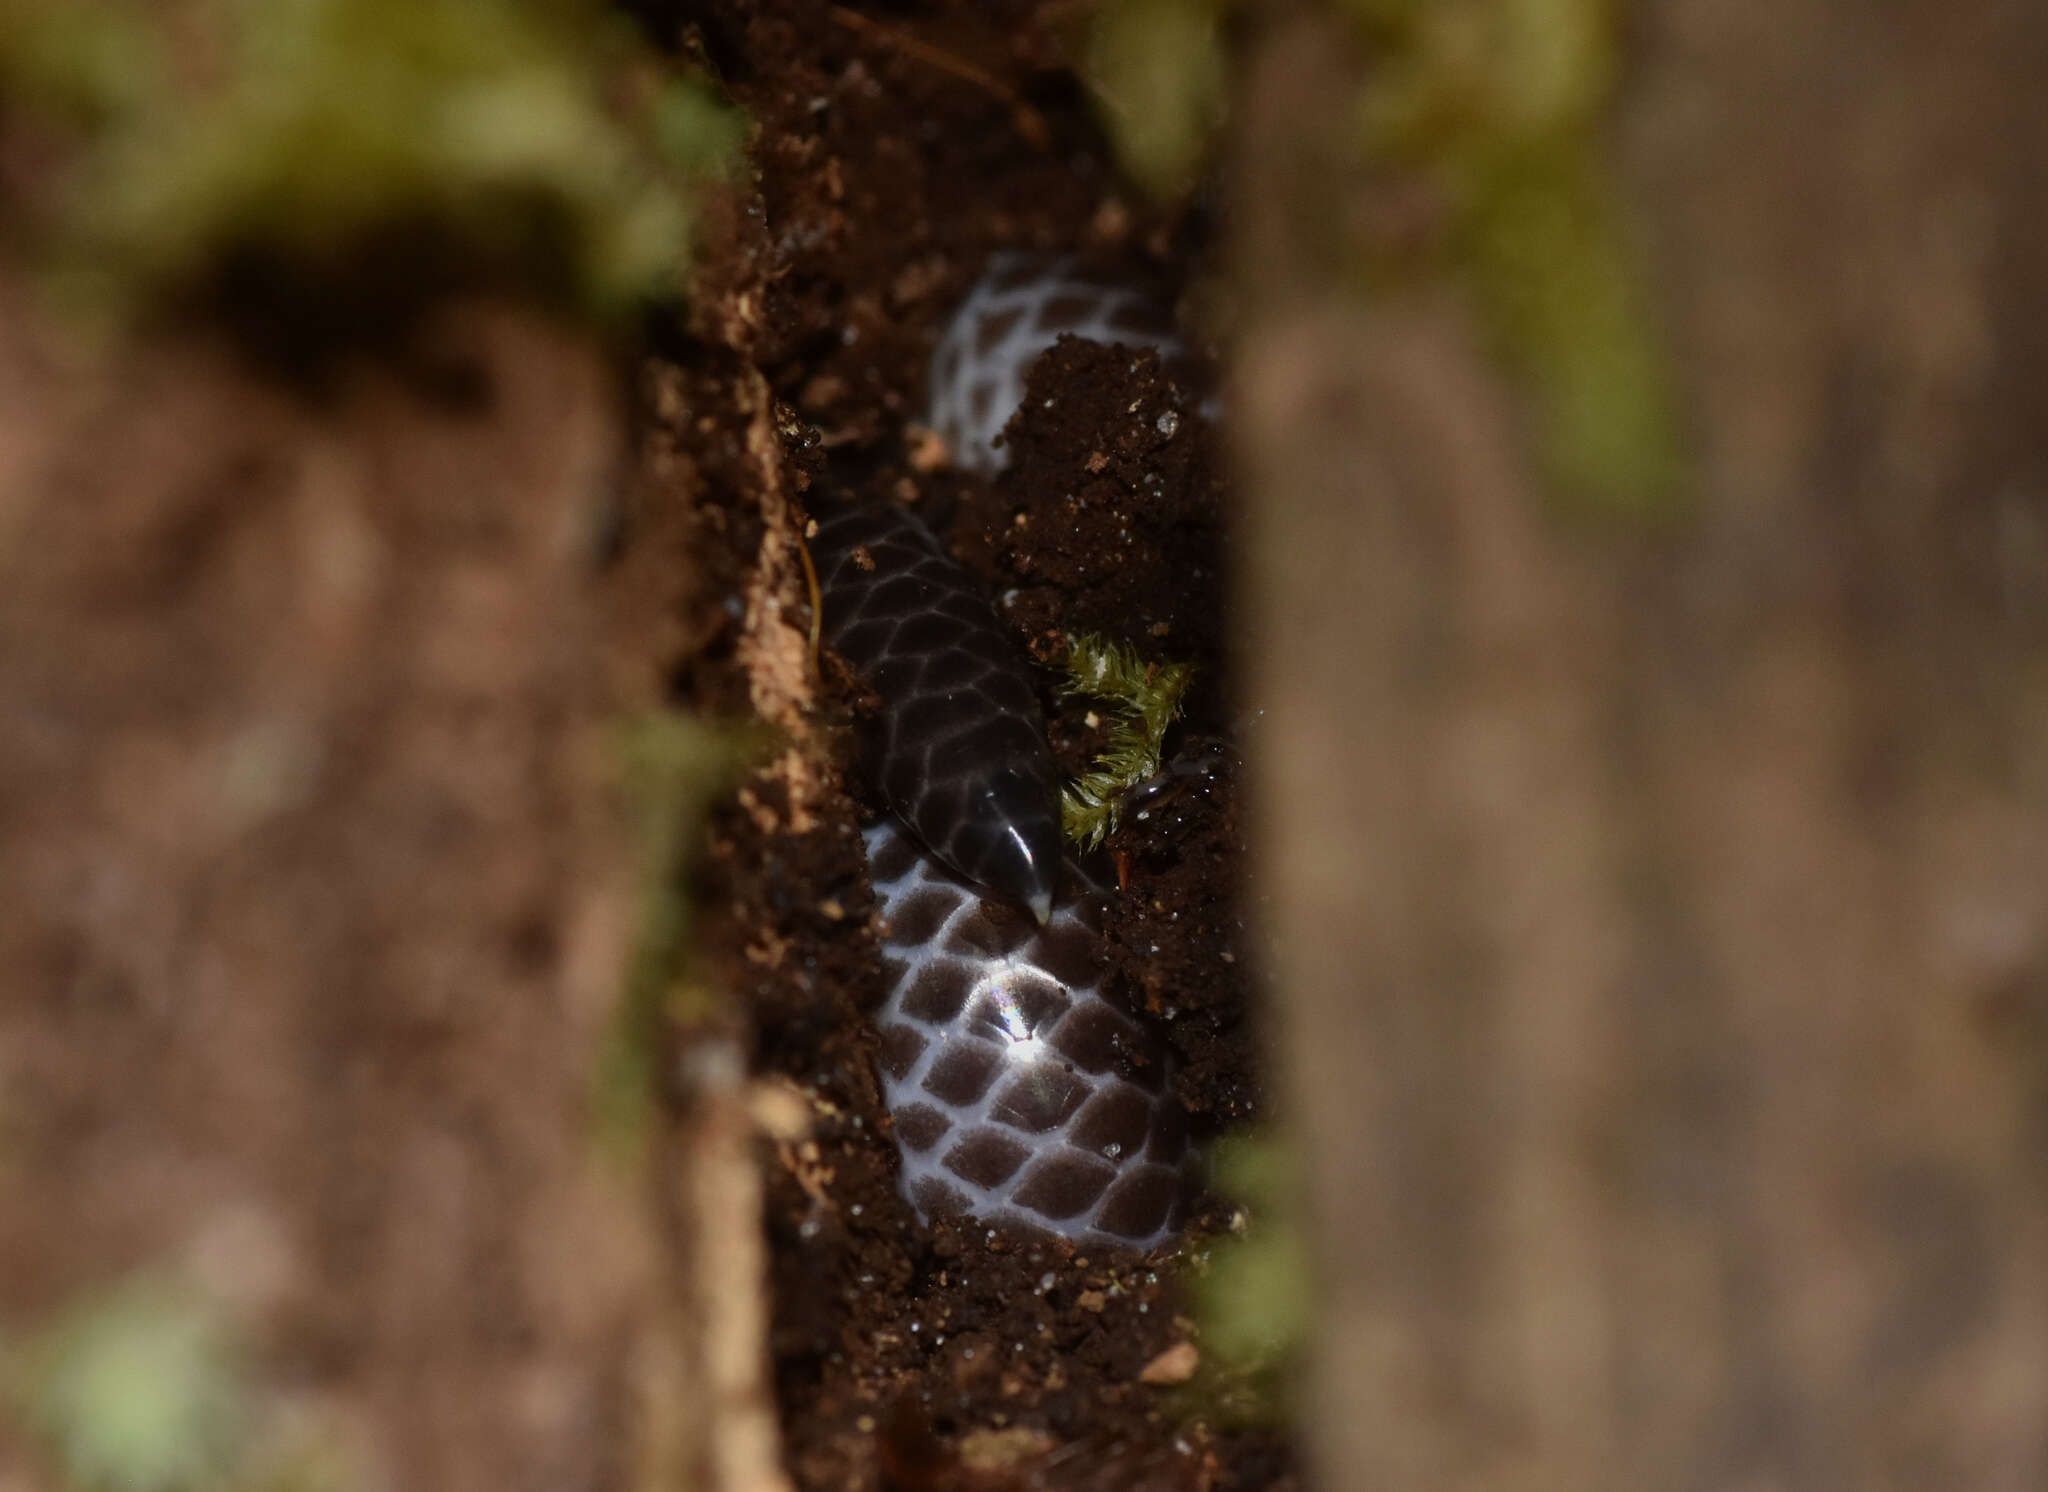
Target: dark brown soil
310	881
884	183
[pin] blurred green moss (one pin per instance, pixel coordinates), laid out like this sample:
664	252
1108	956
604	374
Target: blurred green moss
1498	106
673	766
84	65
134	1389
1500	103
522	133
139	1386
1254	1296
1546	247
1159	76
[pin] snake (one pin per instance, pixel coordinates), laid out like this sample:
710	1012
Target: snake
1022	1090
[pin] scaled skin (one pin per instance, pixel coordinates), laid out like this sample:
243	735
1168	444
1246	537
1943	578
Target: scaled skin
1023	1093
959	746
1012	316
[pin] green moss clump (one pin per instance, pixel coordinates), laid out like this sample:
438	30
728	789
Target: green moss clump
1146	697
527	135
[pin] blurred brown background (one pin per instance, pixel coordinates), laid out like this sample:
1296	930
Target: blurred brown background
1657	902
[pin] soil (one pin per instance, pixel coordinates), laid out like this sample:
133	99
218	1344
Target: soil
884	182
322	913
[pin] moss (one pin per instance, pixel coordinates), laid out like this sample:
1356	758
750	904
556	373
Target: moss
138	1385
1253	1294
135	1389
85	66
521	135
1500	103
672	767
1158	73
1545	245
1146	698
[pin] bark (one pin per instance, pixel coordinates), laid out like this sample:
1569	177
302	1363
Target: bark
1658	918
311	932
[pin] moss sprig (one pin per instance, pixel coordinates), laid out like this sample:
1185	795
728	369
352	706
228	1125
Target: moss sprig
1146	698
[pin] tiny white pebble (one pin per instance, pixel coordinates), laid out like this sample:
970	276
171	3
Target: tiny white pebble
1167	424
1045	1281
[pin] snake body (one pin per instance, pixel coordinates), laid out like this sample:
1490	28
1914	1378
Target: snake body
1021	1090
1014	313
959	750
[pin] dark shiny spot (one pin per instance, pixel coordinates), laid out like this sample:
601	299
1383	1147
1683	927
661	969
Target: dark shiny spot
931	717
1017	1007
901	1047
962	1070
920	1126
1140	1202
1114	1123
991	931
1065	1184
1093	1038
914	920
987	1158
938	992
990	330
934	1198
1069	953
861	642
899	596
1064	313
926	633
1040	1098
956	668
